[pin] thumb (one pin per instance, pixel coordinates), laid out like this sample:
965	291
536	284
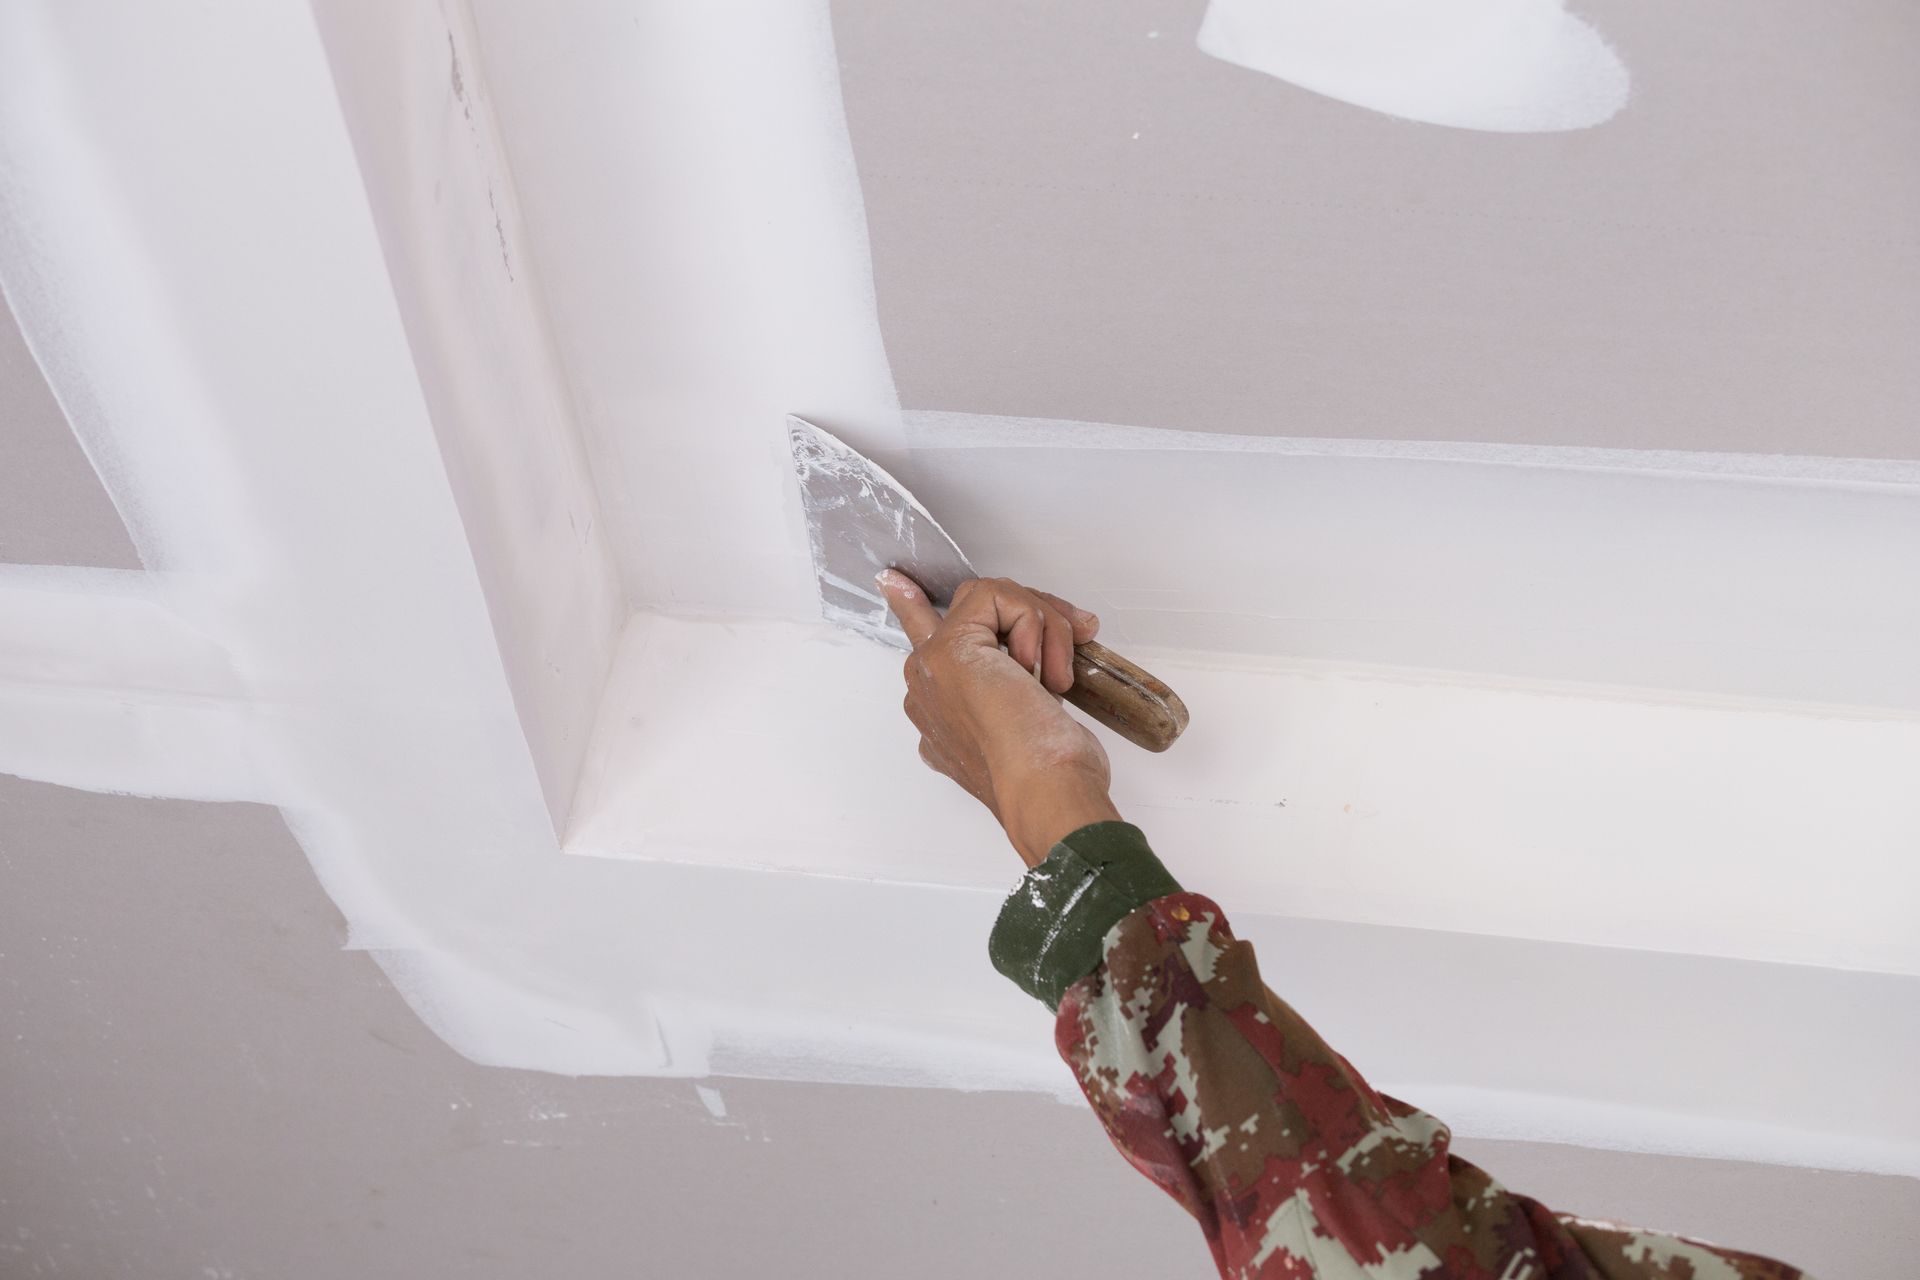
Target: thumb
909	603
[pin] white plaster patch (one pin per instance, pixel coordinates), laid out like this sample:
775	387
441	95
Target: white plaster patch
1505	66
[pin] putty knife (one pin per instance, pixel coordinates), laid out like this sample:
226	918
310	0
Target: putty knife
860	521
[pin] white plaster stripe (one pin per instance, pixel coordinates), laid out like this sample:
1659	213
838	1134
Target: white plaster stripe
930	429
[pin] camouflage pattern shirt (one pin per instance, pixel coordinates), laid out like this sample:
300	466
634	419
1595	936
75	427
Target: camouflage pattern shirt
1215	1089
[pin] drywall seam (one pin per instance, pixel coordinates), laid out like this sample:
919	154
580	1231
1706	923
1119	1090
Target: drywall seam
941	429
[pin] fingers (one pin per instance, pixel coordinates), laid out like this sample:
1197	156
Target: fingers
918	617
1085	625
1037	634
1056	664
1039	629
1025	637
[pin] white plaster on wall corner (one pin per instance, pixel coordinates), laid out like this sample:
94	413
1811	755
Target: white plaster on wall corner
690	190
419	108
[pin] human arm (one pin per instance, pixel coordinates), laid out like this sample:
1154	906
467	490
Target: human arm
1205	1080
990	716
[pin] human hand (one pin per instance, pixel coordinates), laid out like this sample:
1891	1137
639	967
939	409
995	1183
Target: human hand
991	719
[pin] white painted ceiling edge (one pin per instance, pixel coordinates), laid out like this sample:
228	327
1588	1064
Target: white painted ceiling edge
247	388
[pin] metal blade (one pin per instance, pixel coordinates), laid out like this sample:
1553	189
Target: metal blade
860	520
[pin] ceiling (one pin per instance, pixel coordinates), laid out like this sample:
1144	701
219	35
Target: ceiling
460	479
202	1082
1076	214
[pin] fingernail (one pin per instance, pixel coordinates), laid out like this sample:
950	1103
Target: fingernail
893	579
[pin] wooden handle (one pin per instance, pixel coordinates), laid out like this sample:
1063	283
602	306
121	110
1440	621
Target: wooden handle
1132	702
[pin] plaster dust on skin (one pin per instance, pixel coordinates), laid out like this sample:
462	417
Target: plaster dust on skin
1505	66
321	640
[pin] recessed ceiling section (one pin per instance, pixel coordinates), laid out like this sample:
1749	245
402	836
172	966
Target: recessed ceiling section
1076	214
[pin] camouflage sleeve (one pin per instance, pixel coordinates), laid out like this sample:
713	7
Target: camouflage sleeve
1220	1093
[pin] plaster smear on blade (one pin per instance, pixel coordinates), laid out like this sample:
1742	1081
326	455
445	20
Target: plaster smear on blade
1503	66
840	490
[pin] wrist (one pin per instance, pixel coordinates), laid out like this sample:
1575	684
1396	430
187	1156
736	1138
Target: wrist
1041	812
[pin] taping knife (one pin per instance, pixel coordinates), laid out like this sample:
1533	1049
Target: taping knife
860	521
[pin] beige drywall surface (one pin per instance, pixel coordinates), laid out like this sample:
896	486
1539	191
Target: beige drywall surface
1077	215
199	1081
53	509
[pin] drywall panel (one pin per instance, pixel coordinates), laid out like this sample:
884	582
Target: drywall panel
52	508
449	220
1077	214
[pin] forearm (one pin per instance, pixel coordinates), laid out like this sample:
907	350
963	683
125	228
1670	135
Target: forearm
1222	1094
1041	808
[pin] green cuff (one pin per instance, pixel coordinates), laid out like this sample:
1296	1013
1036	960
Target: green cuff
1049	932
